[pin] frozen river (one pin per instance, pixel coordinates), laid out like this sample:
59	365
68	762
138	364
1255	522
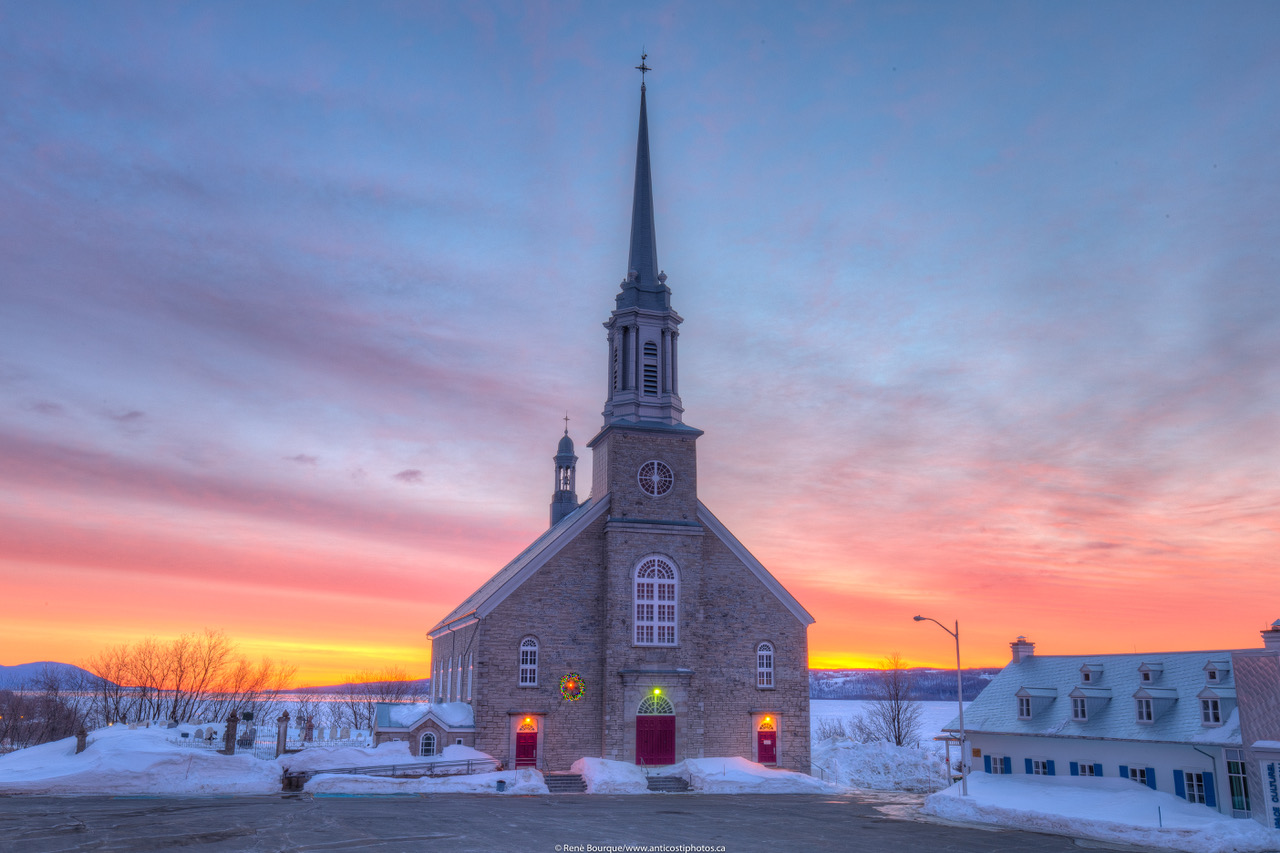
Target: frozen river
933	715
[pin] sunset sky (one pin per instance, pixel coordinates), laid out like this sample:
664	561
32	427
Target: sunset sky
981	300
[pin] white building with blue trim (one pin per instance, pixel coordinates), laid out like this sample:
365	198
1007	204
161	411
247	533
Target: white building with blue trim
1168	720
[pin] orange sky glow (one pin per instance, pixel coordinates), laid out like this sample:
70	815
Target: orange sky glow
980	314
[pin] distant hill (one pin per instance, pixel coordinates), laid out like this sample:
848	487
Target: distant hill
29	675
926	684
333	688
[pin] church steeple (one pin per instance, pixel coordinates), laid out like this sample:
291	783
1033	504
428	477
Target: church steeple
564	499
643	381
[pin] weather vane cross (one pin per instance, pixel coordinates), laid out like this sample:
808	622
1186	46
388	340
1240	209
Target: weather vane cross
642	68
566	423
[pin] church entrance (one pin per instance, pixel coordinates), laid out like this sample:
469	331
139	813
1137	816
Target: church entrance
656	731
527	744
767	743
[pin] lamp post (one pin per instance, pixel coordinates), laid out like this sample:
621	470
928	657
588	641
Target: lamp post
964	759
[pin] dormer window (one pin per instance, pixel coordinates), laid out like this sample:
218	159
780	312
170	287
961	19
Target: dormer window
1146	678
1213	676
1210	712
1024	707
1217	671
1145	714
1091	673
1086	677
1079	708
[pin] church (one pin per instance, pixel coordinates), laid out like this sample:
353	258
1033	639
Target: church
636	628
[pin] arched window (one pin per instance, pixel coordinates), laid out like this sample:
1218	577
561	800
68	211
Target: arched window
656	597
764	665
528	662
766	725
653	705
428	744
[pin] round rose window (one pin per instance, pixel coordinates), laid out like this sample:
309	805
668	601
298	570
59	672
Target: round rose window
655	478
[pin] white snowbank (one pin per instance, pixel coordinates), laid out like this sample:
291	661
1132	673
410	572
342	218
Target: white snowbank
880	766
523	781
611	777
740	776
119	760
1103	809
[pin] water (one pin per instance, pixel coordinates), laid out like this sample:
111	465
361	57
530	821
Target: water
933	715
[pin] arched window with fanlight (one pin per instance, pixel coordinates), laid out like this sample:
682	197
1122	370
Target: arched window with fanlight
529	662
764	666
428	745
656	597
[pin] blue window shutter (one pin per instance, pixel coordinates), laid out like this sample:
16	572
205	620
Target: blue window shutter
1179	787
986	763
1029	770
1097	770
1050	763
1008	764
1210	795
1151	778
1075	768
1124	772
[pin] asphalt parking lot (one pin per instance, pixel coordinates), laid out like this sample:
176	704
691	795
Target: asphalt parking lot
462	823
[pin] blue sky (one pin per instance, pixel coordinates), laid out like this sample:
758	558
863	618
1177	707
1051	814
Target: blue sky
981	307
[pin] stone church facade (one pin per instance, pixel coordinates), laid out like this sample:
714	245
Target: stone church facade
636	628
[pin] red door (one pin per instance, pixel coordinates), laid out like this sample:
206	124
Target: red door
767	747
655	739
526	749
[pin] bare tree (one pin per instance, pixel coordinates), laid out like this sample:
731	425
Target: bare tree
364	690
110	698
894	715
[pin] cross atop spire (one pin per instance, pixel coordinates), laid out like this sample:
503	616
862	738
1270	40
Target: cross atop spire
642	68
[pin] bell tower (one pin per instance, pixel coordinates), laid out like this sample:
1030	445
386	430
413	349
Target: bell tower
643	336
564	499
644	454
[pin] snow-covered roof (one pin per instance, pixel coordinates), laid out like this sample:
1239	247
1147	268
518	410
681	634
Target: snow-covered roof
408	715
995	711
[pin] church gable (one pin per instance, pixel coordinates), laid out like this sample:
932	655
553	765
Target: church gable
508	579
716	528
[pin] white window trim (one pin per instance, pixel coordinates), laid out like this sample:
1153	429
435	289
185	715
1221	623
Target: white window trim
1139	706
1080	709
1025	708
1039	767
649	595
1193	786
764	666
422	744
1210	713
529	645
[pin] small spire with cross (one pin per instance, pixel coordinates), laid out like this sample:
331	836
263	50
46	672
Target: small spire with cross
642	68
566	423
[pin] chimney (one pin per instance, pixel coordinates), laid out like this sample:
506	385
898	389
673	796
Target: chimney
1271	637
1023	649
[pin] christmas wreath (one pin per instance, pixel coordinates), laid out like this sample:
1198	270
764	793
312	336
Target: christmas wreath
571	687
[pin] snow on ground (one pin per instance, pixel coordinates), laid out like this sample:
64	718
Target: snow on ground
611	777
523	781
1114	810
880	766
740	776
120	760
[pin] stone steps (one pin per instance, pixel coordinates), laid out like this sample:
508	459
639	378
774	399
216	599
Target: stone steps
668	784
565	783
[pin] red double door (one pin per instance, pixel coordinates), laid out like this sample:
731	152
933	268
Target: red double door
655	739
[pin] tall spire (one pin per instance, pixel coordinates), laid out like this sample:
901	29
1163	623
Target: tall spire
643	328
644	285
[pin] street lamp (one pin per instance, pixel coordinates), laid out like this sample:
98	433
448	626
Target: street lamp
964	759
